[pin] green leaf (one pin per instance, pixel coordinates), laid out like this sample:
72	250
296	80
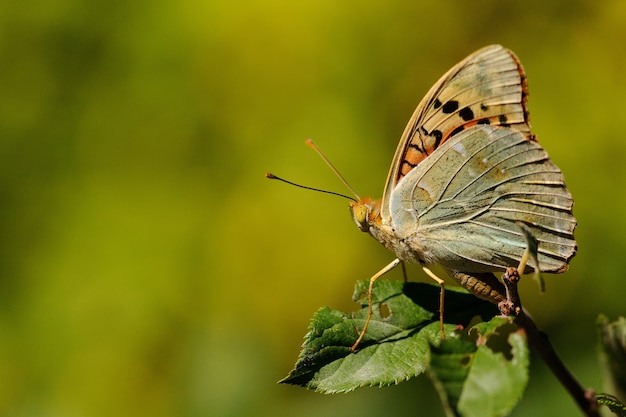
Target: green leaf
499	371
395	347
480	368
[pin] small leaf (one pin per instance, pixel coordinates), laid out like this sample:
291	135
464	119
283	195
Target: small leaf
499	372
613	403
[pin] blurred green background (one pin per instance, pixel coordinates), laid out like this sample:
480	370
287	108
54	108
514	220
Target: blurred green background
148	268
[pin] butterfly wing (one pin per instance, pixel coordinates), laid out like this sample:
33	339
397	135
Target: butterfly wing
460	205
486	88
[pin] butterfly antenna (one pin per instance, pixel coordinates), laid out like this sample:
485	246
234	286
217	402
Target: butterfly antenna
312	144
274	177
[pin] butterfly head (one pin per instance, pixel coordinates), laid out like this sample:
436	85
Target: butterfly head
366	213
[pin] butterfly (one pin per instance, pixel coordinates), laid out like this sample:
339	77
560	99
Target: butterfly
466	172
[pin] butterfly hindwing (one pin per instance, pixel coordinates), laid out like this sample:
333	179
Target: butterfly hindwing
461	204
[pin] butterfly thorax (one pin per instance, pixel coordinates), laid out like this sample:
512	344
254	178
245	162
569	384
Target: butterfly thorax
367	216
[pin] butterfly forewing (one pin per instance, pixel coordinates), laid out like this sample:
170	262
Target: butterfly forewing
487	88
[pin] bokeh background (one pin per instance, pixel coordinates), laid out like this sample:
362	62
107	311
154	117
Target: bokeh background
149	268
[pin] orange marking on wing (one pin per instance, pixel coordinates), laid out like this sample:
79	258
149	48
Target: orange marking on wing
413	157
405	169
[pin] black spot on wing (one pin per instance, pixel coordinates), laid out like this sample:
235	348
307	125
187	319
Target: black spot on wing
466	114
503	120
483	122
438	136
436	103
450	106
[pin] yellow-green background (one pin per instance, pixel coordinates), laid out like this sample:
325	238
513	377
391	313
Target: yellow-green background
146	265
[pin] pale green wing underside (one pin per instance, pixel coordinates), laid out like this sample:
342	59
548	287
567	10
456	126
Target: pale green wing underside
459	206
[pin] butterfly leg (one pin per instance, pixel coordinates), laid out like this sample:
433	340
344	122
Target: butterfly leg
441	295
370	309
404	272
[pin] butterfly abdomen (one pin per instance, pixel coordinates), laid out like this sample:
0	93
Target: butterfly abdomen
485	285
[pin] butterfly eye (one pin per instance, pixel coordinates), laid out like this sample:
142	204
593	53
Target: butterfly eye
360	214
